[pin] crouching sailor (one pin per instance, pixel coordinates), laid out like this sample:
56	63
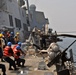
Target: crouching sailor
17	53
8	52
3	69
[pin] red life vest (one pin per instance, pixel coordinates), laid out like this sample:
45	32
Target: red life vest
15	53
6	51
14	47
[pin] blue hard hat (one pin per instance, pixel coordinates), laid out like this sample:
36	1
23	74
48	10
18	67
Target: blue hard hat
18	48
12	33
19	43
9	44
2	32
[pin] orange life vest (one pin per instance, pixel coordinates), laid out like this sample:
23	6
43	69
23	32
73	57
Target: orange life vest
15	53
6	51
14	47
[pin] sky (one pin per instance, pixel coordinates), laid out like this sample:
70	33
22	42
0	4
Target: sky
61	14
62	17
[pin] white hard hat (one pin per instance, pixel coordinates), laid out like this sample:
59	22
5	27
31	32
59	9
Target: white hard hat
54	47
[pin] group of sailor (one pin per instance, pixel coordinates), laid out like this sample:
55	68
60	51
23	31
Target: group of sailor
10	37
9	51
10	48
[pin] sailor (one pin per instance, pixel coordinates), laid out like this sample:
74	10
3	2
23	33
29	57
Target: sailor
52	50
64	58
17	38
3	69
17	53
8	36
18	44
12	38
4	37
8	52
2	43
14	46
42	41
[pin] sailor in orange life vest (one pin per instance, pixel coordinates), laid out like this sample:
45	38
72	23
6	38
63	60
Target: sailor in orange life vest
17	53
19	43
7	53
14	48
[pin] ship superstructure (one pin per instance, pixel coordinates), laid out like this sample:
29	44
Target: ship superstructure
14	16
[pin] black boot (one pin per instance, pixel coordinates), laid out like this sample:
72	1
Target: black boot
10	69
2	60
4	73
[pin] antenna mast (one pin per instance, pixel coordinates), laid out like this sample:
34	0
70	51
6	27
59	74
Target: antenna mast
28	12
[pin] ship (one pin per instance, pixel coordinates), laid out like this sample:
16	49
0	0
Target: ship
33	26
37	57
